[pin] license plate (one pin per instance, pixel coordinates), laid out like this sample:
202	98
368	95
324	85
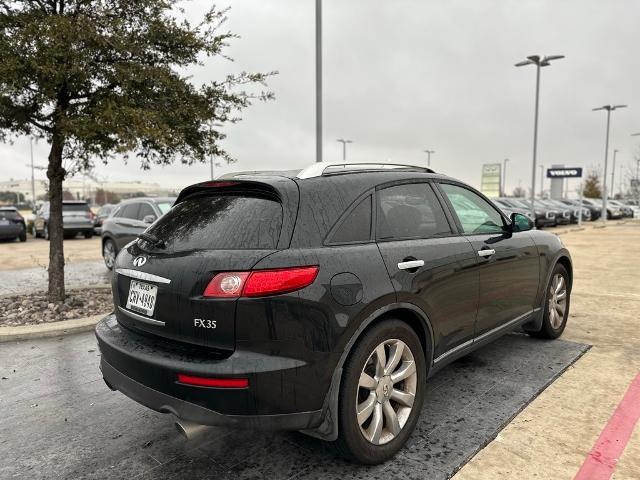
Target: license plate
142	297
4	222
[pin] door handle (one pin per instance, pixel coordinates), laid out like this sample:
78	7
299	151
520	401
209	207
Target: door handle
487	252
411	264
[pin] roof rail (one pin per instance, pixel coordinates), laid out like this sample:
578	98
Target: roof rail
326	168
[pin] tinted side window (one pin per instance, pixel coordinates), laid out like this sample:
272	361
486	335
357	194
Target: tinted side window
410	211
476	215
130	211
356	227
145	209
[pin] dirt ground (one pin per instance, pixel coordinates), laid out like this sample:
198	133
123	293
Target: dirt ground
552	437
35	252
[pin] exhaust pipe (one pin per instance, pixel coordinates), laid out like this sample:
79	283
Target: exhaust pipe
190	430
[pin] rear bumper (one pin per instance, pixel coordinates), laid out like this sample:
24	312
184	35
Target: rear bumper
146	369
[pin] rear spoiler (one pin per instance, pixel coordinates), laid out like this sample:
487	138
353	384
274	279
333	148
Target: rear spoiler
229	187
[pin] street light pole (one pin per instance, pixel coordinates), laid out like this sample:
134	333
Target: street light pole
344	147
318	80
541	180
539	61
504	177
429	152
33	179
609	109
613	172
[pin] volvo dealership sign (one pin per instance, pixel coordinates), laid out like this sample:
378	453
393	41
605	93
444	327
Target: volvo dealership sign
564	172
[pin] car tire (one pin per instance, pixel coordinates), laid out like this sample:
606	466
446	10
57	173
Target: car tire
88	234
34	231
556	304
375	414
46	232
109	252
23	236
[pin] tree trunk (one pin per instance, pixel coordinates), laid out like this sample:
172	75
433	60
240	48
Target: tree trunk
56	174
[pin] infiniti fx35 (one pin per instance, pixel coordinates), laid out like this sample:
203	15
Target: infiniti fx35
323	300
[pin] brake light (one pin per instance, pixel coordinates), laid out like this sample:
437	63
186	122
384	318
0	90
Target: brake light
213	382
259	283
218	184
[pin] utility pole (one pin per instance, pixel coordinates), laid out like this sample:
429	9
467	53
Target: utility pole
609	109
429	152
318	80
344	147
504	177
539	61
613	171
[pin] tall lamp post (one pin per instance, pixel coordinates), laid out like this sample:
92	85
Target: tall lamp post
541	180
318	80
344	147
613	172
429	152
504	177
609	109
539	61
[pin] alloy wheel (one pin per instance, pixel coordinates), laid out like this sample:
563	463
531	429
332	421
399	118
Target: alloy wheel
557	300
386	391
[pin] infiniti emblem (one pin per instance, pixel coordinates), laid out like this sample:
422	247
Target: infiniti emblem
139	261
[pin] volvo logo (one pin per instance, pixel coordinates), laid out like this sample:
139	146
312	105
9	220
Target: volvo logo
139	261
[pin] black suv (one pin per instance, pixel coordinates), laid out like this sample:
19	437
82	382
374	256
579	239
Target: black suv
322	300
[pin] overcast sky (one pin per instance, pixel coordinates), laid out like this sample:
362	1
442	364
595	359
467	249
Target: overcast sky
405	75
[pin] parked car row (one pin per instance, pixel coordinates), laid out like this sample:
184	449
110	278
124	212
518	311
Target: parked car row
549	212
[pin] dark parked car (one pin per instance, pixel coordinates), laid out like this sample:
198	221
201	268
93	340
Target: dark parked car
322	301
544	217
12	224
77	218
103	212
509	210
595	212
565	215
127	221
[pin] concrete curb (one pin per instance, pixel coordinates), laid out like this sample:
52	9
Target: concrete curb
53	329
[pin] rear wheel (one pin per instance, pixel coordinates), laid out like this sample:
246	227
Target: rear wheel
88	234
556	306
23	236
109	253
381	393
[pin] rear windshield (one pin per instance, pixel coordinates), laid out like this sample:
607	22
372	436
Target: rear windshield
75	207
220	222
8	214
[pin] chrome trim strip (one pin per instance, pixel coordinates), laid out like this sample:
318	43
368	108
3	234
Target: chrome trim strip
150	277
142	318
484	335
410	264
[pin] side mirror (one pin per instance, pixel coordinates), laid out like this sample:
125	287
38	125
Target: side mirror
520	223
149	219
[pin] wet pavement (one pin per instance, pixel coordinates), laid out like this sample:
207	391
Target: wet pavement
60	421
77	274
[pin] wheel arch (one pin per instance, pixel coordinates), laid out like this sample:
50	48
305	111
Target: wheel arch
406	312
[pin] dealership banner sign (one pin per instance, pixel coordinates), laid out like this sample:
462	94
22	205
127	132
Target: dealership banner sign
490	181
564	172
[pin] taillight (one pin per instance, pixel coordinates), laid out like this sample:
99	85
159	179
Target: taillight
213	382
259	283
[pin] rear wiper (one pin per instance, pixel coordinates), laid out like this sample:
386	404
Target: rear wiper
152	239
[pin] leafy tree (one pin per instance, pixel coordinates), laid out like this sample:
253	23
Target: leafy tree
99	78
592	188
519	192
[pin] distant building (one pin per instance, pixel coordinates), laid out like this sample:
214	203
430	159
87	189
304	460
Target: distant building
86	188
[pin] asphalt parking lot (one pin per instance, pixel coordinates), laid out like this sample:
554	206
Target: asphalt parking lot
492	408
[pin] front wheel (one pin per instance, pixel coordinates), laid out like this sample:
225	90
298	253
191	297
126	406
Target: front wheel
23	236
556	307
88	234
381	393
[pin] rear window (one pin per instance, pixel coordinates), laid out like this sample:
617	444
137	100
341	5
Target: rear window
220	222
8	214
75	207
